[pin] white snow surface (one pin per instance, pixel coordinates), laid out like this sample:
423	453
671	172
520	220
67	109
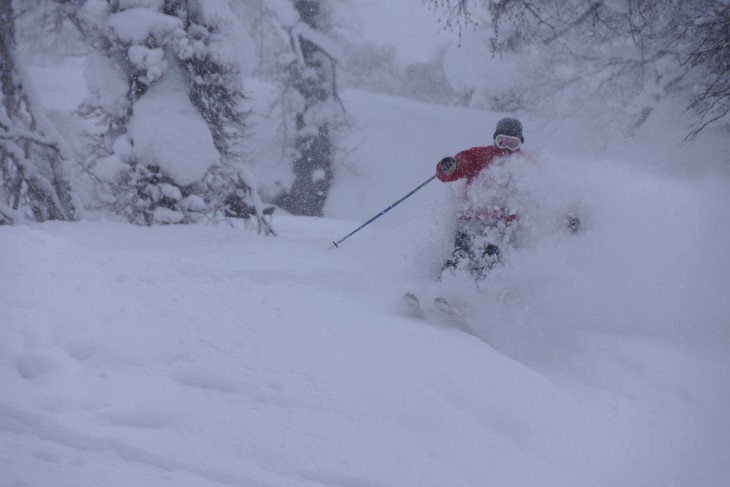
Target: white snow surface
197	356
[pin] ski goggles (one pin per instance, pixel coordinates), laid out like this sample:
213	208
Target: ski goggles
507	142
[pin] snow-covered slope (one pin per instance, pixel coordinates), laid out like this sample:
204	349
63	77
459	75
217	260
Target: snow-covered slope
203	356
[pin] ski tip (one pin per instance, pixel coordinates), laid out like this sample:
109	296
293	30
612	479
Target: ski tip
413	304
443	305
410	298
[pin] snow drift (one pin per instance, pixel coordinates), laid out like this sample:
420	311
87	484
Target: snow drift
198	355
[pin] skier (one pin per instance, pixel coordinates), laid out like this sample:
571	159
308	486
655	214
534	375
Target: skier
485	221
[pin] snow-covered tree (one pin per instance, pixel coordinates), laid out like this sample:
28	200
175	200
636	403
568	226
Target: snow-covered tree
707	31
313	99
297	53
628	54
166	93
33	157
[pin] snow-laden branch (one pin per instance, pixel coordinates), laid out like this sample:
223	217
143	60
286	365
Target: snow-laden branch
20	134
327	45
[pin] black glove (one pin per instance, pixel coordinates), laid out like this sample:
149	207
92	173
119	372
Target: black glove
447	165
573	223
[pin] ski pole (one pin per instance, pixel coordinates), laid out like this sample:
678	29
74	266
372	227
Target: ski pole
337	244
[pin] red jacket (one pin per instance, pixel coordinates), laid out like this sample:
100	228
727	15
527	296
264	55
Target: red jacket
471	163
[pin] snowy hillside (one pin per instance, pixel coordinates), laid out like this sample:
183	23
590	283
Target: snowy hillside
169	356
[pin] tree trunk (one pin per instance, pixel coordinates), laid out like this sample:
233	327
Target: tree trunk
315	82
31	162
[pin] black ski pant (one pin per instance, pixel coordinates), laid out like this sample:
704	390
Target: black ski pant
479	261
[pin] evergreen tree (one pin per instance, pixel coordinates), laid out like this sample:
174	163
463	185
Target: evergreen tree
169	145
315	107
33	157
630	55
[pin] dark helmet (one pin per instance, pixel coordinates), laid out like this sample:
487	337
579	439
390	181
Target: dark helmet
511	127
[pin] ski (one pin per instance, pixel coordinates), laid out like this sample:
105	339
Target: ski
443	305
453	316
414	305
